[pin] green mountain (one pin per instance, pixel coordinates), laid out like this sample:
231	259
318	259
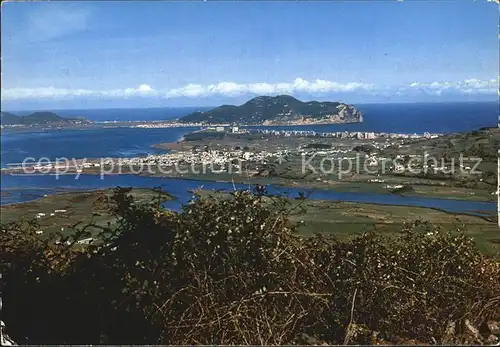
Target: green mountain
278	110
38	118
7	118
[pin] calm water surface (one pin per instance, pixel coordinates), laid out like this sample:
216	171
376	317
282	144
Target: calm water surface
26	188
131	142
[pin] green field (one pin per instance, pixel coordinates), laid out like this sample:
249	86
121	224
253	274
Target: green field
345	219
73	208
342	219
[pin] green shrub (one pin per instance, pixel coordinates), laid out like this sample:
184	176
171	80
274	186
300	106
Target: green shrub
234	271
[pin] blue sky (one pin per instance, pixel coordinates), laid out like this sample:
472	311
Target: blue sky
150	54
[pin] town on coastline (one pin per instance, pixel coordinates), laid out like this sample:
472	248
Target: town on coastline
227	144
409	163
225	156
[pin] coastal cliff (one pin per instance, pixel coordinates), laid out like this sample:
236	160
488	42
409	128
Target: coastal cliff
279	110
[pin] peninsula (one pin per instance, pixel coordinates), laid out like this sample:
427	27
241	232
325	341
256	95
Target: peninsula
278	110
39	119
426	165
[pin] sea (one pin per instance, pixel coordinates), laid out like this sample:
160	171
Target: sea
131	142
34	187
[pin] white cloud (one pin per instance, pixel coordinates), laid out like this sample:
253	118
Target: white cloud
468	86
192	90
145	88
61	93
299	85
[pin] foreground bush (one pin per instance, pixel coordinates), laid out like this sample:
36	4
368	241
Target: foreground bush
234	271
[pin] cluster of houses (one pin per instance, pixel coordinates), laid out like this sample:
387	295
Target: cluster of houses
344	134
227	158
40	215
152	125
218	158
62	166
232	129
86	241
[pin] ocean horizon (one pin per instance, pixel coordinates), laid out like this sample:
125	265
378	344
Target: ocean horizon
172	112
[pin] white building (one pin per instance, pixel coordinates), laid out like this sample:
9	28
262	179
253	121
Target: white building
86	241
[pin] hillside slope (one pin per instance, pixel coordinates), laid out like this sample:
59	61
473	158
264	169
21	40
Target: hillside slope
279	110
38	118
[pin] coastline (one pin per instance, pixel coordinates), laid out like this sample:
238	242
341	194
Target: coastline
445	189
336	217
170	196
361	184
337	186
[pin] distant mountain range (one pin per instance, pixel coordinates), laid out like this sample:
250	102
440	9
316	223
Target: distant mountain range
38	118
278	110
